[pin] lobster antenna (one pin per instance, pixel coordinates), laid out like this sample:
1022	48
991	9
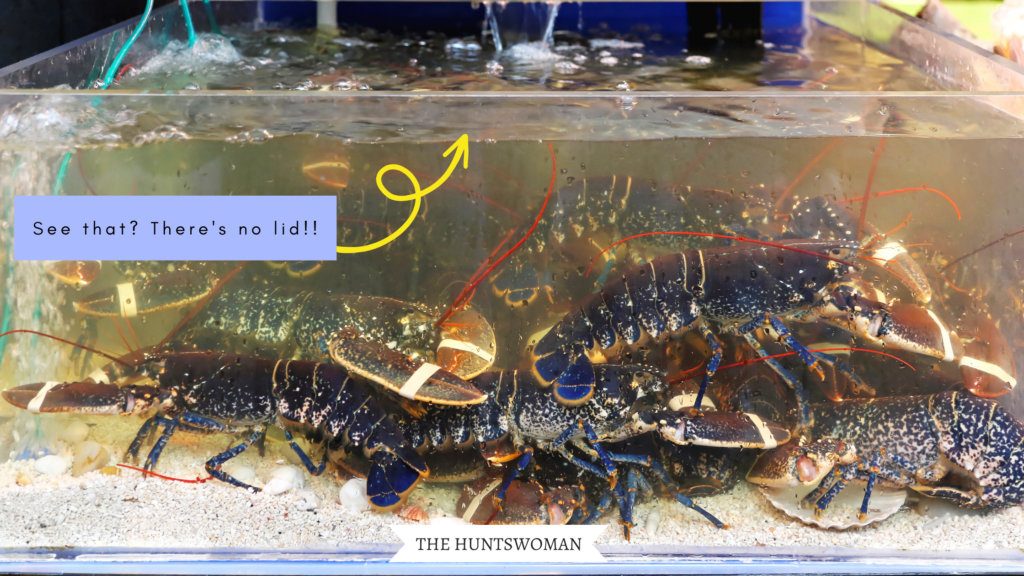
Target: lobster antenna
200	306
681	376
467	293
723	236
125	340
75	344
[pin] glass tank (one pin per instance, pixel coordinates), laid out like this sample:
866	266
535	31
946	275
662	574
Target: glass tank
749	296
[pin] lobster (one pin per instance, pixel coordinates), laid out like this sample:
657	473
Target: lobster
519	415
228	393
941	437
744	287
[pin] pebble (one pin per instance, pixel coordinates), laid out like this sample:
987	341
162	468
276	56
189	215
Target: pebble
51	465
282	479
353	495
89	456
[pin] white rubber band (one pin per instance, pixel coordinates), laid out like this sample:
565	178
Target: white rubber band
988	368
688	400
417	380
37	402
98	375
467	347
947	345
475	502
126	296
766	434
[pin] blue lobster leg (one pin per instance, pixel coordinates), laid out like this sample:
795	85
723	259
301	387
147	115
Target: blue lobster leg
843	476
521	465
872	477
213	464
859	385
786	337
140	437
668	482
169	427
313	470
803	402
713	362
602	507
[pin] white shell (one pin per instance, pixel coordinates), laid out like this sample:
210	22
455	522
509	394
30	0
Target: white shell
283	479
51	465
353	495
241	472
306	499
844	510
653	522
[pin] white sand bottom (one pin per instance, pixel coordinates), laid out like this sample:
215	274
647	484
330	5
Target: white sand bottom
131	511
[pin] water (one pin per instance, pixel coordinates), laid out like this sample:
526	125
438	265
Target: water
942	172
363	59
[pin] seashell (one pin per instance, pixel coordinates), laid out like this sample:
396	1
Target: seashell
653	522
24	479
240	472
282	479
306	499
353	495
89	456
51	465
414	513
844	510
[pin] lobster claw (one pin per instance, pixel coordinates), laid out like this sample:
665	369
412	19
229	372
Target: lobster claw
83	398
799	464
987	366
719	429
163	292
894	257
410	379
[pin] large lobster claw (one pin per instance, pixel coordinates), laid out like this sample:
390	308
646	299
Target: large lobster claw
83	398
986	361
393	370
713	429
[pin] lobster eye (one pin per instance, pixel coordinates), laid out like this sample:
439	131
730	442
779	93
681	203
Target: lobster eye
806	471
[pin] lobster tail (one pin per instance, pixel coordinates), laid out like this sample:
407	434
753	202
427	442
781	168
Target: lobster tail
390	480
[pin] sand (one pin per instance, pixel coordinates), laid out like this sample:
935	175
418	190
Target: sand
98	510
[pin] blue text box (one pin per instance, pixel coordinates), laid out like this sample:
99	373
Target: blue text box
186	227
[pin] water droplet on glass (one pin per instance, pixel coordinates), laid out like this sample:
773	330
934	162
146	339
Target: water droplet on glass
569	179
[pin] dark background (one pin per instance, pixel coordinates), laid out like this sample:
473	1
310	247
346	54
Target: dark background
29	27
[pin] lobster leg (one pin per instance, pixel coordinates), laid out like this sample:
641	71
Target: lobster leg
213	464
806	417
667	481
521	465
313	470
154	454
140	437
716	358
601	509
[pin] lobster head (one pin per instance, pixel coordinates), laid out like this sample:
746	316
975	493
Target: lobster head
800	464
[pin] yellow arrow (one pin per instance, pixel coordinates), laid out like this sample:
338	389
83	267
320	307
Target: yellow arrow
461	149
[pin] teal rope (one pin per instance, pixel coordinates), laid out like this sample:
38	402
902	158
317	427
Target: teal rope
109	76
209	16
58	184
188	23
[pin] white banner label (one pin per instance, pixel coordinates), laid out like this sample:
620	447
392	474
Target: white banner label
468	543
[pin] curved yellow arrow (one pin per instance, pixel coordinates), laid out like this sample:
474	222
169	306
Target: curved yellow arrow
461	149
